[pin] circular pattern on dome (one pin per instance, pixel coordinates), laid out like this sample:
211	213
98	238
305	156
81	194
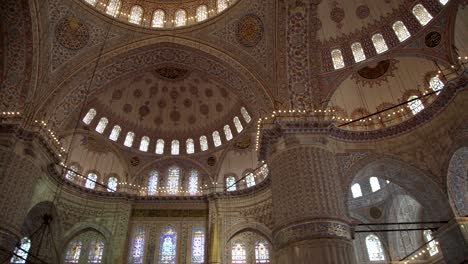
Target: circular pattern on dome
162	103
249	30
172	73
71	33
192	119
337	14
433	39
193	90
211	161
144	110
376	71
362	11
209	93
127	108
135	161
204	109
174	94
117	94
187	102
137	93
158	121
375	212
219	107
175	116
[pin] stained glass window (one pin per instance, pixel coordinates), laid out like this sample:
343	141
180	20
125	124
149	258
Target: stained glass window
262	254
112	184
416	105
190	145
160	146
202	13
115	133
158	19
203	143
265	170
401	31
70	175
198	246
136	14
436	84
95	252
167	246
144	143
216	139
91	2
180	18
356	190
129	139
138	247
173	180
113	7
374	248
433	250
221	5
102	125
227	132
379	43
91	181
421	14
153	183
374	183
73	252
238	254
21	253
175	147
231	183
238	124
250	180
193	182
89	116
246	115
337	59
358	52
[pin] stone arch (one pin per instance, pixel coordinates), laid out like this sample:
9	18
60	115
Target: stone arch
457	181
255	227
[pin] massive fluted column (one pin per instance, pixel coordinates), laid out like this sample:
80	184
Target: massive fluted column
453	240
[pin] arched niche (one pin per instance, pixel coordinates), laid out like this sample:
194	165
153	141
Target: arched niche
457	181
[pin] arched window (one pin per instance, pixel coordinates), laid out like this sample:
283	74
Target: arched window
337	59
227	132
443	2
95	252
91	2
158	19
160	146
415	105
173	180
115	133
102	125
136	14
238	124
379	43
190	145
433	250
262	254
144	143
231	183
202	13
221	5
70	175
401	31
112	184
250	180
175	147
91	181
374	248
421	14
129	139
356	190
153	183
167	246
198	246
89	116
21	253
374	184
203	143
265	170
193	182
113	7
73	252
138	246
358	52
180	18
216	139
436	84
238	254
246	115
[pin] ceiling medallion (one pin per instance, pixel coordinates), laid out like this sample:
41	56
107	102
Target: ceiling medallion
433	39
172	73
376	73
244	142
71	33
249	30
375	212
211	161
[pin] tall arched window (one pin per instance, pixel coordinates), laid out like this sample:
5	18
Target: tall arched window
356	190
73	252
160	146
144	143
250	180
153	183
374	184
115	133
433	250
202	13
265	170
21	253
70	175
337	59
421	14
238	254
95	251
379	43
173	180
262	254
129	139
238	124
91	2
401	31
175	147
216	139
198	246
180	18
112	184
415	105
374	248
436	84
89	116
113	7
138	246
158	19
231	183
227	132
136	14
190	145
203	143
91	181
193	182
221	5
102	125
246	115
358	52
167	246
